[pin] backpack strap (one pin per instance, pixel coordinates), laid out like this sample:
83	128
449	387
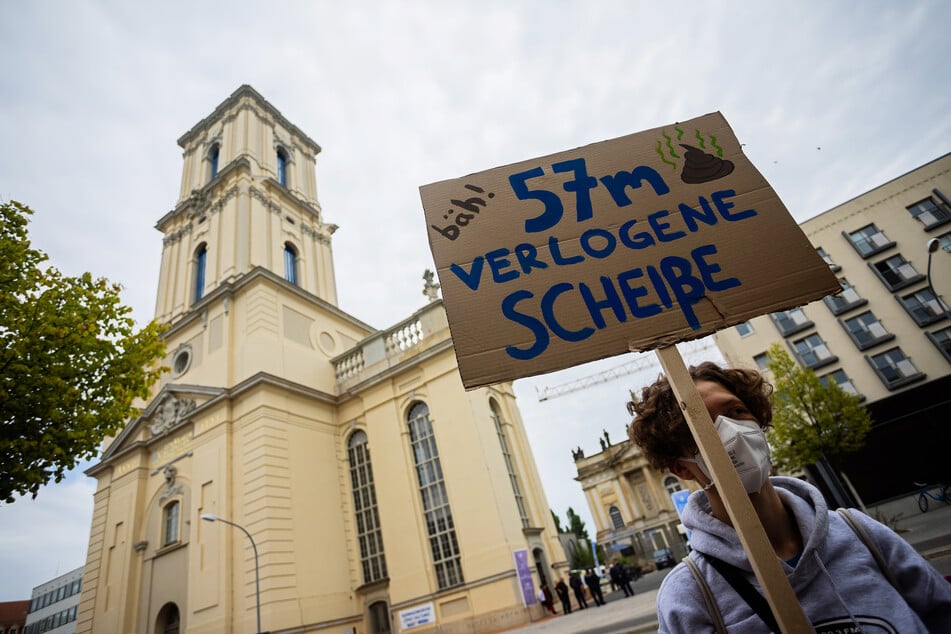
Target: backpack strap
745	589
866	539
707	596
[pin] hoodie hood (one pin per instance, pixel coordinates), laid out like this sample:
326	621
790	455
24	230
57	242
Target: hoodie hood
710	536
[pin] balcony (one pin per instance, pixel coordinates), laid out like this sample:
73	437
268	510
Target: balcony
386	351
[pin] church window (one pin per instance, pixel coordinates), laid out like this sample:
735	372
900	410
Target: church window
509	463
201	256
282	167
435	499
170	523
213	161
369	535
290	263
616	520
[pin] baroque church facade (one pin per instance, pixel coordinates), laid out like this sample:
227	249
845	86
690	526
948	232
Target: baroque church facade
298	470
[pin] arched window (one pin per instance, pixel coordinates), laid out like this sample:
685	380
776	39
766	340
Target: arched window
169	620
170	523
672	484
201	255
290	263
616	520
364	506
282	167
379	618
509	464
432	490
213	161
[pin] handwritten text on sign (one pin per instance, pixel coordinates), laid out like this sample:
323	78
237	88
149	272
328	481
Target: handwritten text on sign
635	242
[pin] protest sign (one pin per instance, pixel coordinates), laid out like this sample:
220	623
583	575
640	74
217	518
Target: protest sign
629	244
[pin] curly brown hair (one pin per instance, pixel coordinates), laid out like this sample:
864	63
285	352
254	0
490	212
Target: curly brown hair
659	427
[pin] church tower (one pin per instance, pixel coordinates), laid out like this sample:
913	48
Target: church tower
296	465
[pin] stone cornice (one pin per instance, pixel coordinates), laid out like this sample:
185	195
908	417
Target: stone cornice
234	100
227	290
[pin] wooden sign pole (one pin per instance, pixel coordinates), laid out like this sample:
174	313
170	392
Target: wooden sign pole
766	566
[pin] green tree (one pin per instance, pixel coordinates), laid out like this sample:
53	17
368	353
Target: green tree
71	362
812	421
576	526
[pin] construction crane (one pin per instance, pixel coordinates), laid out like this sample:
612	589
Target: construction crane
642	361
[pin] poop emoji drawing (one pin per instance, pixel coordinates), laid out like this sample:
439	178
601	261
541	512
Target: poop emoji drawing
700	167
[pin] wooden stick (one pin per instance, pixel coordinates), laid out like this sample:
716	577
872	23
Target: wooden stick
766	566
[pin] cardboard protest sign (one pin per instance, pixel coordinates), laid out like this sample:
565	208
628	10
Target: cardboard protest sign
629	244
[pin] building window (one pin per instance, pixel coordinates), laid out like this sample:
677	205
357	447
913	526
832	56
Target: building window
868	241
181	360
924	307
791	321
866	330
840	378
170	523
290	263
432	490
201	258
896	272
761	360
213	161
672	484
812	352
945	241
894	368
369	535
942	341
828	259
844	301
929	213
616	520
745	329
509	464
282	166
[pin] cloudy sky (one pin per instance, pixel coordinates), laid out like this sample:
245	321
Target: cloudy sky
830	98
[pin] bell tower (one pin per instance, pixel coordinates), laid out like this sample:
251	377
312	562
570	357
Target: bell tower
248	199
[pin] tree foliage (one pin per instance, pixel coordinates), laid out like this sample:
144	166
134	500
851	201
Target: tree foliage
557	521
576	525
71	362
812	420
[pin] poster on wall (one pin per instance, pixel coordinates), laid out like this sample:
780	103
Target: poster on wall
633	243
524	572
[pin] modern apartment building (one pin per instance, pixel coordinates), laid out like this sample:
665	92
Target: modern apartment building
297	467
54	605
887	336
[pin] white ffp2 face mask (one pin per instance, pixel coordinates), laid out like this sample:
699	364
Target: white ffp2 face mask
746	445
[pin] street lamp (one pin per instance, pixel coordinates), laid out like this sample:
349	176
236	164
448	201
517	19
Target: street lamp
933	245
210	517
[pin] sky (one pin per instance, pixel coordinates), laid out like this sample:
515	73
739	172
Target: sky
830	98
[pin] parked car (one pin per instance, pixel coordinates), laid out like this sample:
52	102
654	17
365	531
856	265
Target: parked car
663	558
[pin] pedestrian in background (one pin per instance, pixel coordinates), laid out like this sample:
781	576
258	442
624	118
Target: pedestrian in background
593	582
561	589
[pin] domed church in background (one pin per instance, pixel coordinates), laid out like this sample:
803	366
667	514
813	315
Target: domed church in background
377	495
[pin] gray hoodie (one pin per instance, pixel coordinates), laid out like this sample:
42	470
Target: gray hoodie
837	581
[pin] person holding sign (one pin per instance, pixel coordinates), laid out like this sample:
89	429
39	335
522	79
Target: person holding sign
849	572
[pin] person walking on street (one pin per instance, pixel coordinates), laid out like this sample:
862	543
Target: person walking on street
578	586
561	589
593	582
620	579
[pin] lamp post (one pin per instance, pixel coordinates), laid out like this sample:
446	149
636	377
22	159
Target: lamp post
933	245
210	517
